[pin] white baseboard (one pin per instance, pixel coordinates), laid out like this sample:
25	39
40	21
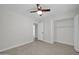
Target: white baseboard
21	44
64	43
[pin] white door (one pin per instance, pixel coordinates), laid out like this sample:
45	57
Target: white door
40	31
76	33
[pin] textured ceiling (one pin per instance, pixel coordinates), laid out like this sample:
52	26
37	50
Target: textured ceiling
57	10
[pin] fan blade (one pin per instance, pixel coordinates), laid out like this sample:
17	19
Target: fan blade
32	11
45	10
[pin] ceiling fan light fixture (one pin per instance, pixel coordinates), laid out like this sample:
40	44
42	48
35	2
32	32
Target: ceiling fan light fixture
39	12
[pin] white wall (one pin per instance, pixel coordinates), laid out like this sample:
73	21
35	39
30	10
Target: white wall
64	31
1	27
16	29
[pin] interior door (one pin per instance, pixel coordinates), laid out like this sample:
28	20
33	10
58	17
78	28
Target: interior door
40	31
76	33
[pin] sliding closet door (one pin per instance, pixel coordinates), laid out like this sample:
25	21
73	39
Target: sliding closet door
76	33
64	31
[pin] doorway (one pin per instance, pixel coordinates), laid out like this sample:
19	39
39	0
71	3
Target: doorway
38	31
35	31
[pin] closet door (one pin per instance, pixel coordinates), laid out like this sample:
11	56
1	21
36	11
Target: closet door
76	33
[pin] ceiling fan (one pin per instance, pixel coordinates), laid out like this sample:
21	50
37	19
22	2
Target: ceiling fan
39	10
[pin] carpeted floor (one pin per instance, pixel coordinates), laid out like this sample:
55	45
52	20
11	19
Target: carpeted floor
41	48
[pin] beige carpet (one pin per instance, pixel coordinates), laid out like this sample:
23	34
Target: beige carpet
42	48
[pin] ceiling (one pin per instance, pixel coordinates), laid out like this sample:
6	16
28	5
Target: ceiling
57	10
